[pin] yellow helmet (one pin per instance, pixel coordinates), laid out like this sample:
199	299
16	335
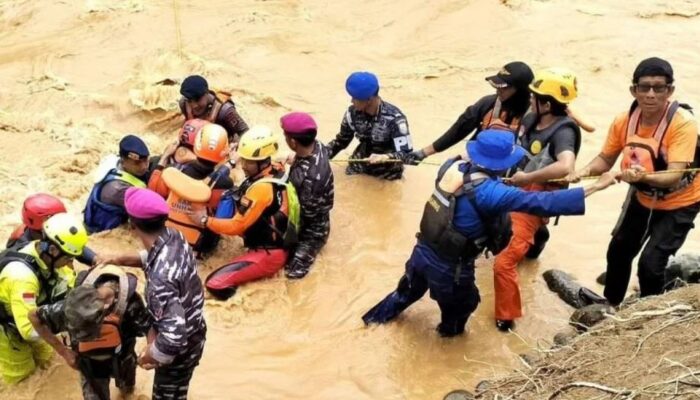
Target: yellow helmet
559	83
257	144
67	232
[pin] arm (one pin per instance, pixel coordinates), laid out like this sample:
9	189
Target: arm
561	149
344	137
232	121
661	180
48	321
614	143
402	140
137	260
23	296
559	169
89	257
251	207
465	124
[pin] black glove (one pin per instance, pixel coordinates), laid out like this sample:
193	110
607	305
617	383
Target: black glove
415	157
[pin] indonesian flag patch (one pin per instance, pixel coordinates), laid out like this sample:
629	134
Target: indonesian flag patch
29	298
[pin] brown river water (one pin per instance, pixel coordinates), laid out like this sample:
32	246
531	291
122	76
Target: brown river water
77	75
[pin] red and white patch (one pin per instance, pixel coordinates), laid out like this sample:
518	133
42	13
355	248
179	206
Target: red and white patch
29	298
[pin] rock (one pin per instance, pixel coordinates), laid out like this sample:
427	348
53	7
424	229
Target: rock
564	286
564	337
459	395
601	278
530	358
682	269
587	316
483	386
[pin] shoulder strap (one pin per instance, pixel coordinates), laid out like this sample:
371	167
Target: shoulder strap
97	272
130	179
444	167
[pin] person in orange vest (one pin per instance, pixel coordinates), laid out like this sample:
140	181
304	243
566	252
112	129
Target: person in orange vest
199	102
505	108
211	147
552	139
184	147
655	134
265	214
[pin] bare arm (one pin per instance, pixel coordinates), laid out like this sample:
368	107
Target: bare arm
562	167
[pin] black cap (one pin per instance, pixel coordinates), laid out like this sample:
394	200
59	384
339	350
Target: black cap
516	74
133	147
194	87
653	66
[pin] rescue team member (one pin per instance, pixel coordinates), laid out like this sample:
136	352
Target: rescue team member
264	212
174	296
36	209
466	215
655	134
103	315
381	128
36	274
552	141
199	102
211	147
105	206
312	176
505	108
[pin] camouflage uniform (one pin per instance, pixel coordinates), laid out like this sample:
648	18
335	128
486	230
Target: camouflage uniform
313	178
384	133
175	300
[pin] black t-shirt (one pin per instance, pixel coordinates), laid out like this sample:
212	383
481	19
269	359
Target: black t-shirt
564	139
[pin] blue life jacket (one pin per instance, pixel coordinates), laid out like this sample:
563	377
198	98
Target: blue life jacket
100	216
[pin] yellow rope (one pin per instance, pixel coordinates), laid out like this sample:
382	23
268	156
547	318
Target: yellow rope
178	31
668	171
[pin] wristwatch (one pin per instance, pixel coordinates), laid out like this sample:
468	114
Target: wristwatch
203	220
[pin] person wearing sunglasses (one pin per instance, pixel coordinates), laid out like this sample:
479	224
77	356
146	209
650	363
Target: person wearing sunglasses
655	134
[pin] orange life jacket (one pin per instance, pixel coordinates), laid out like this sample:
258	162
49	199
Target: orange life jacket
109	341
489	121
648	152
186	195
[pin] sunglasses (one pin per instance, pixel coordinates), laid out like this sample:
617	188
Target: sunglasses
645	88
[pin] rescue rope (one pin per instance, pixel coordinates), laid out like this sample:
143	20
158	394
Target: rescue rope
366	160
178	31
668	171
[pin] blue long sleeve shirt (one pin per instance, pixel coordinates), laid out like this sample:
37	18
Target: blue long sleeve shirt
493	197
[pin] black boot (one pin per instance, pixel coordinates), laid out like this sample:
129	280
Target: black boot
504	325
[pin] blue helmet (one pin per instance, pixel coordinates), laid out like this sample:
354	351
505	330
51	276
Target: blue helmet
362	85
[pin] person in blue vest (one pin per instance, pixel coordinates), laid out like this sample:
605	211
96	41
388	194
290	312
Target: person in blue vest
467	215
105	206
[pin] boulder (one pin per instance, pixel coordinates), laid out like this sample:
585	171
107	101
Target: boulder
587	316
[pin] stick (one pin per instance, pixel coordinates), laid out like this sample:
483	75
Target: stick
366	160
589	385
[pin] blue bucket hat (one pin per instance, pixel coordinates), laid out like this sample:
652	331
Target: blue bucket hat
362	85
495	150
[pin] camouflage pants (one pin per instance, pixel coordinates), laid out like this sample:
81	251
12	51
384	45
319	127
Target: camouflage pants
313	236
388	171
172	382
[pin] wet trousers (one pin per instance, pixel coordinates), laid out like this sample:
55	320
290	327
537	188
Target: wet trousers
664	233
312	237
452	286
123	370
253	265
505	271
19	358
172	382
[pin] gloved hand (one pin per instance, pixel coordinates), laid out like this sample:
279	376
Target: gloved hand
415	157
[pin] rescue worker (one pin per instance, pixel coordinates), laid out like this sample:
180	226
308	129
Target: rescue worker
468	214
199	102
381	128
312	176
265	209
655	134
174	296
552	141
36	209
505	108
105	206
184	149
36	274
211	147
103	315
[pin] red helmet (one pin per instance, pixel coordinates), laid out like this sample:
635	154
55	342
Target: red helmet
38	208
189	131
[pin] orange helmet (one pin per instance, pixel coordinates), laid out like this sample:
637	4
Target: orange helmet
189	131
211	143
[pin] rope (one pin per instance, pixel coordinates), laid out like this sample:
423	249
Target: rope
366	160
668	171
178	31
